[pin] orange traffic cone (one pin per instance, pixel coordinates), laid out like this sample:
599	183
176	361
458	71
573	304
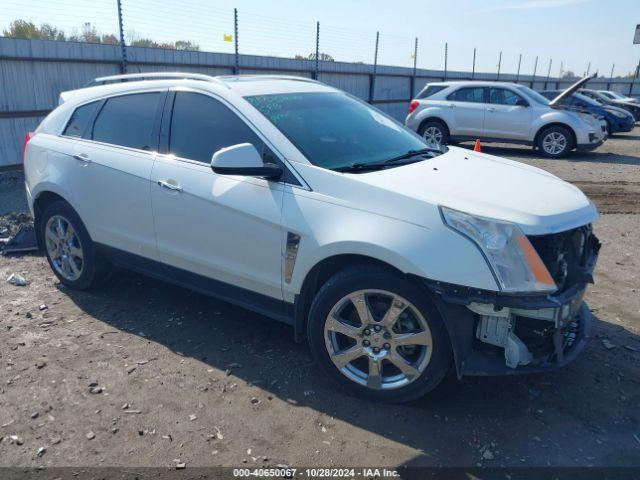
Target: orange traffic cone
476	147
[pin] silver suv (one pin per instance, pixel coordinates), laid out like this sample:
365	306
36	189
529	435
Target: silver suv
444	112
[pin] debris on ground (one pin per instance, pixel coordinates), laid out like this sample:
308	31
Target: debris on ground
607	344
17	280
23	241
41	451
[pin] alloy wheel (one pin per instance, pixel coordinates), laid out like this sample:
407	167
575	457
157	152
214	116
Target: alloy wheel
554	143
64	247
378	339
433	136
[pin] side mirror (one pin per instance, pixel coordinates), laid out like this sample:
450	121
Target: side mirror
521	103
243	159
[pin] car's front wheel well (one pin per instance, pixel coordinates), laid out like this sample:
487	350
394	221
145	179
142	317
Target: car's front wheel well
318	276
574	140
40	204
424	122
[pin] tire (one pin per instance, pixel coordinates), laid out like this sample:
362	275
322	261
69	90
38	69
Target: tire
555	142
424	363
608	128
79	266
435	133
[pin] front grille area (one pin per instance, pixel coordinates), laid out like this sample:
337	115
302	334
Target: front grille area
567	254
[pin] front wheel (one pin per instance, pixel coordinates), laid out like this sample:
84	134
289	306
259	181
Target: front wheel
555	142
376	332
434	133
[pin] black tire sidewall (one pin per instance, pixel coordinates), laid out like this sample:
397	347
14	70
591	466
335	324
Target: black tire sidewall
88	274
436	123
561	130
365	277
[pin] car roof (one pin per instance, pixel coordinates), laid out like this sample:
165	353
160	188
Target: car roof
478	83
243	85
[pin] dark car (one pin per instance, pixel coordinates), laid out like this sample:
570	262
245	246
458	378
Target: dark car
628	106
618	120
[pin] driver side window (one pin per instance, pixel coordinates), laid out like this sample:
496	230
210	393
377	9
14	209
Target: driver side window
201	125
503	96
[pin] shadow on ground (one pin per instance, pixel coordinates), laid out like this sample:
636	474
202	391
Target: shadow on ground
583	414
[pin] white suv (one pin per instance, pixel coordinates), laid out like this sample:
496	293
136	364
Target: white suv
503	112
398	262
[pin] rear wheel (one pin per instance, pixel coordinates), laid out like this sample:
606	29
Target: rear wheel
69	249
555	142
375	332
435	133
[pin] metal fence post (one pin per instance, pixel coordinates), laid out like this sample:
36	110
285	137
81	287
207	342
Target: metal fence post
446	54
415	65
236	67
315	73
123	48
518	74
548	74
588	69
473	68
533	77
372	79
610	77
633	79
499	65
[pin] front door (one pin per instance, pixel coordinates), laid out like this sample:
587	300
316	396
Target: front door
226	228
467	106
508	115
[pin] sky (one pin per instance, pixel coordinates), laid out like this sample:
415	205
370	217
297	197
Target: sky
568	33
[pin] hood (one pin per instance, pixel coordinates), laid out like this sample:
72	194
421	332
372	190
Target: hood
489	186
572	89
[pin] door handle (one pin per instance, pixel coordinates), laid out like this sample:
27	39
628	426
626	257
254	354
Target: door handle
170	186
82	157
491	109
451	105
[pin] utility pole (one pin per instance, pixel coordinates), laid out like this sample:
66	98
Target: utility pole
123	48
315	73
372	81
473	70
236	68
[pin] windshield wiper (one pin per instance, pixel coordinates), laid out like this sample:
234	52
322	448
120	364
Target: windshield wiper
361	167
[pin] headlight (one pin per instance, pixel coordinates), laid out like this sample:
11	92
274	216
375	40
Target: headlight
513	260
617	113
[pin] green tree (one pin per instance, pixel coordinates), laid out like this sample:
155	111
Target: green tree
28	30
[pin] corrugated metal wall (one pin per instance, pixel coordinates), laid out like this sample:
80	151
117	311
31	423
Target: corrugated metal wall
34	72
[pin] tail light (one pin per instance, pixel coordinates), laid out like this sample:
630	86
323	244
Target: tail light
27	137
413	105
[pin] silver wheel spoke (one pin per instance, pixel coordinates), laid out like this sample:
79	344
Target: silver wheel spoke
72	265
413	338
342	358
64	247
375	375
76	252
359	301
405	367
395	310
335	325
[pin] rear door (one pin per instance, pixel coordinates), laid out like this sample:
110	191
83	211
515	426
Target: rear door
467	106
113	162
508	115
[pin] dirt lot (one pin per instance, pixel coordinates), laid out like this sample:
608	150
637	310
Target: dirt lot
180	377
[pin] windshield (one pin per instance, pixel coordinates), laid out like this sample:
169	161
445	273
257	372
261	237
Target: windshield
613	95
532	94
334	130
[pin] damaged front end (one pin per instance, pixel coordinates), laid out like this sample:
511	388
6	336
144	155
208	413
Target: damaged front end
500	334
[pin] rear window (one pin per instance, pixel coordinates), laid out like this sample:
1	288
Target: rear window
127	121
468	94
80	119
431	90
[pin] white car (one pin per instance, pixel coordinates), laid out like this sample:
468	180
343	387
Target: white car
288	197
617	96
503	112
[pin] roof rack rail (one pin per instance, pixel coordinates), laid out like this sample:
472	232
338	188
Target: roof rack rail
132	77
268	76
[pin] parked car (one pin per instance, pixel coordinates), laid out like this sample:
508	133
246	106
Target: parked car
617	96
617	119
398	262
631	107
502	112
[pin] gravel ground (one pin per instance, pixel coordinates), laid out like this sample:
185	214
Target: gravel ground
141	373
